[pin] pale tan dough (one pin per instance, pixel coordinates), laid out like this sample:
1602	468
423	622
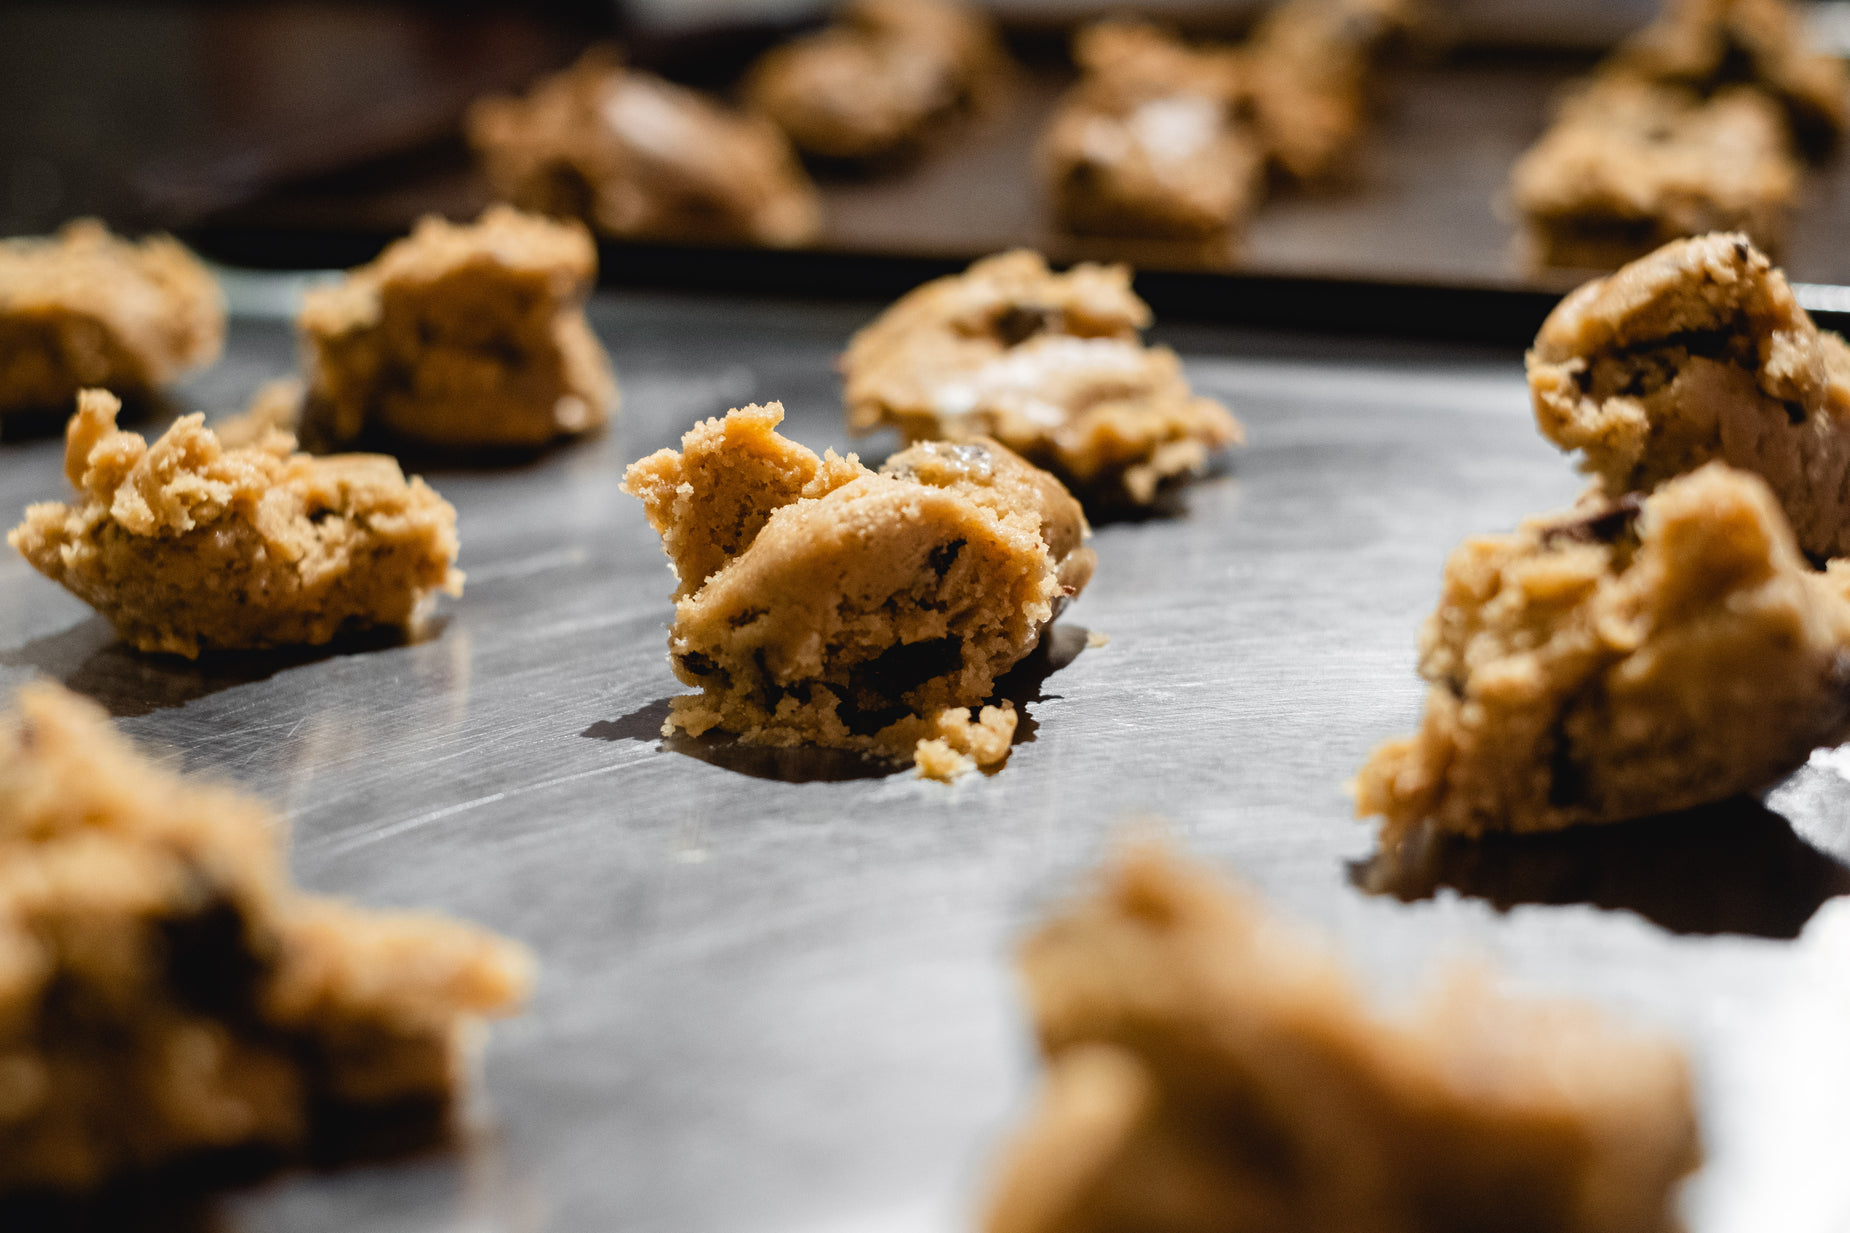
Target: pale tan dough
881	79
822	603
165	992
1629	165
1051	365
1624	658
187	546
636	156
84	308
1151	141
1697	352
1211	1072
465	335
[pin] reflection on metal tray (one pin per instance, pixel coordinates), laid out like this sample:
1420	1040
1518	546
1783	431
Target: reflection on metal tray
776	992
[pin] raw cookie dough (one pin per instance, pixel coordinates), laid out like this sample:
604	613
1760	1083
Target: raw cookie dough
165	993
1700	351
1709	44
1150	142
1306	75
464	335
1211	1072
1629	165
85	308
636	156
1051	365
186	546
1624	658
881	79
823	603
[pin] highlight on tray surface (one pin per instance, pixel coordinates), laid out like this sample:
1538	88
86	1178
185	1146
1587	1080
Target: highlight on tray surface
822	603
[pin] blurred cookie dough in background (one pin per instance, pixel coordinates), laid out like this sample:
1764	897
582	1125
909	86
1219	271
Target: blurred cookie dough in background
882	79
85	308
636	156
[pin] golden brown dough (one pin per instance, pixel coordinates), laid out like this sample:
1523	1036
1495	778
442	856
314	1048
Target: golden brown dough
1698	352
880	79
1629	165
1051	365
186	546
1208	1072
464	335
1306	76
1706	45
84	308
823	603
1624	658
1150	142
636	156
166	993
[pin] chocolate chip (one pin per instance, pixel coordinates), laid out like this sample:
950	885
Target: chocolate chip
697	663
1602	526
1018	323
740	620
1795	410
944	556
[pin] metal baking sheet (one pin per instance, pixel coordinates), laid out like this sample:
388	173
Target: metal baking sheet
777	991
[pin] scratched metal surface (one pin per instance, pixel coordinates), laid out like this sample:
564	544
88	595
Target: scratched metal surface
777	996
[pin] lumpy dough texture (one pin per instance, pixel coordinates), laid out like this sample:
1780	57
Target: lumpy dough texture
1150	142
824	603
1051	365
1209	1072
634	155
1700	352
186	546
464	335
1629	165
880	79
1625	658
166	993
84	308
1707	45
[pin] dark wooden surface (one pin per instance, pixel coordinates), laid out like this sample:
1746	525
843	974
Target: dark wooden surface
776	991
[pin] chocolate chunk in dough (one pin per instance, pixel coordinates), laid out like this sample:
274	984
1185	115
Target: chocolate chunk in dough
1617	661
165	993
1694	353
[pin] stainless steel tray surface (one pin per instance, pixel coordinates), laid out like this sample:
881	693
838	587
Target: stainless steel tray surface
777	989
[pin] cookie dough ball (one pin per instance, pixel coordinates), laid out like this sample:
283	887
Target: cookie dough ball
1700	352
881	79
84	308
166	994
1150	142
186	546
460	335
823	603
1625	658
1629	165
1209	1071
1051	365
1707	44
638	157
